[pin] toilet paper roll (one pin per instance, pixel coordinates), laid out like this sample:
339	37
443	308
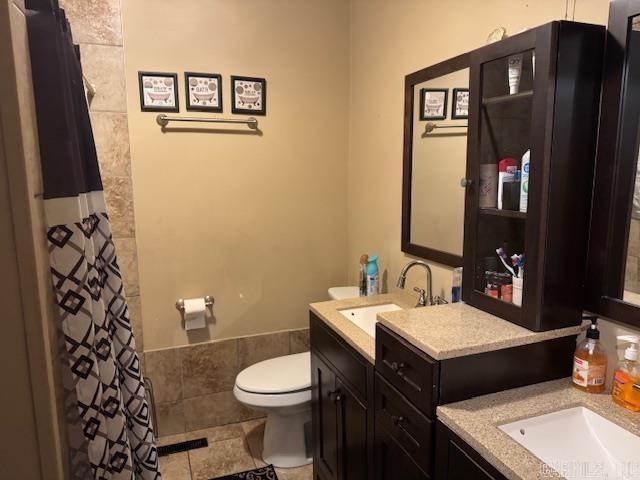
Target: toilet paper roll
195	311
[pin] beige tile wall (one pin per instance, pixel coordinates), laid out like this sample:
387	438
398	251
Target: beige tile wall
193	385
97	28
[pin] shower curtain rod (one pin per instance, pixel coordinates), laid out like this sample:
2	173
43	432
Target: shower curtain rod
163	120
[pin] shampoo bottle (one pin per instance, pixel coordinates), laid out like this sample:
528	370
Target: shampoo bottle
626	378
524	181
373	286
590	362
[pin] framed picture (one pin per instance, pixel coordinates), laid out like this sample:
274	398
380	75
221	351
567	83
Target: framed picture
433	103
158	91
249	95
460	107
203	91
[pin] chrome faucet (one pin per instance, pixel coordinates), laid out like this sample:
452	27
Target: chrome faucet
422	301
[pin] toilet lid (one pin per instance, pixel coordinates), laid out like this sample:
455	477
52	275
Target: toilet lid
277	375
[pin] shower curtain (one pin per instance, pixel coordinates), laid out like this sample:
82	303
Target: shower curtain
109	429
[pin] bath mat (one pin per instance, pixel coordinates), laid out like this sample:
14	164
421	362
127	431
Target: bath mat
182	446
264	473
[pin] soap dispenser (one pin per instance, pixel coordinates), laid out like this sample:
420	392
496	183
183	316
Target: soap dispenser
626	377
590	362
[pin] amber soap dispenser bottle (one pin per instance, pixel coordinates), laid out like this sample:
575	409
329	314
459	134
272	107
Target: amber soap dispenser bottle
590	362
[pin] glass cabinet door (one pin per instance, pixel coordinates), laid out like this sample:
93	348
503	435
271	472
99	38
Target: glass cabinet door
503	161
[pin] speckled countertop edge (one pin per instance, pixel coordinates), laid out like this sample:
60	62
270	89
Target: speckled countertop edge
329	312
456	330
477	422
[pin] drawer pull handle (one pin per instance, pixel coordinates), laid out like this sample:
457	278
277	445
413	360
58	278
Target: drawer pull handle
398	422
395	366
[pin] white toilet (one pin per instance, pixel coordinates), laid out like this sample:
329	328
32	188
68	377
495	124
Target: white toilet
281	387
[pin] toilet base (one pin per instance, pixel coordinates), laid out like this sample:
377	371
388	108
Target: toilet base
286	438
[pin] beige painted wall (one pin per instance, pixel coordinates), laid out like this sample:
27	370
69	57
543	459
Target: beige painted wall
439	162
389	40
259	222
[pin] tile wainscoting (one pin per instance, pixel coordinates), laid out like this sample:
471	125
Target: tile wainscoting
193	384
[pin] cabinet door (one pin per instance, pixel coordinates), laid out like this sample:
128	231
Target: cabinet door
455	460
498	212
324	400
352	428
392	462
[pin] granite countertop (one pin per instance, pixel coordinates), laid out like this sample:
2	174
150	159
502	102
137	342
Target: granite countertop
354	335
455	330
477	420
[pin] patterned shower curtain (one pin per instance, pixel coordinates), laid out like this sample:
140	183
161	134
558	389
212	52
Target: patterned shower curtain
109	429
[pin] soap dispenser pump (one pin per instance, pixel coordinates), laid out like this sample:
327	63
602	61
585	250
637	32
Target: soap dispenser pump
626	377
590	362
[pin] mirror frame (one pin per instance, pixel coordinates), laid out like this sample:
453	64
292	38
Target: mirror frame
613	190
410	81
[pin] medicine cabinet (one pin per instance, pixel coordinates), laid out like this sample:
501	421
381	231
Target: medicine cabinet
533	115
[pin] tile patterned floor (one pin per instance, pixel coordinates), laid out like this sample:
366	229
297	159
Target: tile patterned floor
232	448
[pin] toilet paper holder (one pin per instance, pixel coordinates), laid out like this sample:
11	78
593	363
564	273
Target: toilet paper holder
208	302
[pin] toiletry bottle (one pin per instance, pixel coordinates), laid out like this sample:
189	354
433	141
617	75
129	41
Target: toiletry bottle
488	194
524	181
626	377
506	173
515	72
373	287
456	288
590	362
362	283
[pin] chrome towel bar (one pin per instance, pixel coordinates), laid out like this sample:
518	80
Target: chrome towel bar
163	120
430	126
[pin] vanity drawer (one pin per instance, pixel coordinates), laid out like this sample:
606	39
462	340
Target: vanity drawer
410	370
405	423
348	364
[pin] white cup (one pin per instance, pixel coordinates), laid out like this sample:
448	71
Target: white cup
517	291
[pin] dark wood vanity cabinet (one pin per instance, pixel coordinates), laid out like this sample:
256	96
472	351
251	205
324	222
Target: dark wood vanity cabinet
409	385
553	114
380	422
342	391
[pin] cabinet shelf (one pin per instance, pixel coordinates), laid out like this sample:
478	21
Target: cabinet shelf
507	98
503	213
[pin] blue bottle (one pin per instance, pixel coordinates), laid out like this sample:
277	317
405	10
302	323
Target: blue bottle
373	283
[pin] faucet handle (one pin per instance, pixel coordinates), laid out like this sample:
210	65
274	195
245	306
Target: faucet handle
422	301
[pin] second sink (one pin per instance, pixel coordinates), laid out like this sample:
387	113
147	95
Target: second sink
365	317
579	444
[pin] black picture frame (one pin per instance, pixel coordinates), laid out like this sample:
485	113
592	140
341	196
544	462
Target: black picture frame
251	111
187	92
454	104
423	97
158	108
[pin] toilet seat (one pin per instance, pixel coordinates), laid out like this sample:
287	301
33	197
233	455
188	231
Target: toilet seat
272	400
278	382
289	373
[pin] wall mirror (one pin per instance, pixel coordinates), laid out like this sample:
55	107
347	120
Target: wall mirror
613	282
434	161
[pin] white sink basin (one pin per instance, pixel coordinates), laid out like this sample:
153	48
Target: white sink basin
580	444
365	317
